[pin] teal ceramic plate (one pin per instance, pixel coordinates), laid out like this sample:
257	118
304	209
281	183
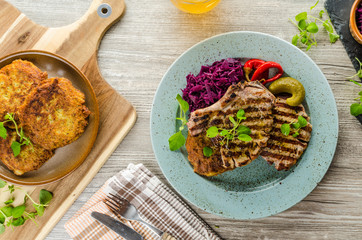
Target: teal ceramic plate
256	190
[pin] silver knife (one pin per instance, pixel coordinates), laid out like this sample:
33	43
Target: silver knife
117	226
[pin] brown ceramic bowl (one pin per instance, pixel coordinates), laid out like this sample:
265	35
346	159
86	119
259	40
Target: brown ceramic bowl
68	158
356	34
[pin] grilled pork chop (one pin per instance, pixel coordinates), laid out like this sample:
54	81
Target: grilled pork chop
257	102
284	151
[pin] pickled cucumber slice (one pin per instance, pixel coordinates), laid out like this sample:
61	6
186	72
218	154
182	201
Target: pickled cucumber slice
289	85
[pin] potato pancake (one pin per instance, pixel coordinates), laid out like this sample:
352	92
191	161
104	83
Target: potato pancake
54	114
16	81
29	159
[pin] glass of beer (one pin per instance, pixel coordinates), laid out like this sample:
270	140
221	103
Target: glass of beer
195	6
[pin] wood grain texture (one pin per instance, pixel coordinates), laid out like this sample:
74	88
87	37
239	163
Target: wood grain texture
117	116
137	51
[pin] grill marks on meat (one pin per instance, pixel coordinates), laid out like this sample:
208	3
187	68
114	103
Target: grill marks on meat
257	102
284	151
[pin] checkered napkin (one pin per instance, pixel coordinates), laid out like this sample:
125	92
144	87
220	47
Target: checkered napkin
156	203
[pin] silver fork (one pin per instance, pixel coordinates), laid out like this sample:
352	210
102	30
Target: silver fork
127	210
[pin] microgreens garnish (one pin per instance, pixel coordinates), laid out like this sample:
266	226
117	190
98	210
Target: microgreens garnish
308	27
11	216
15	145
238	131
207	151
177	140
301	123
356	108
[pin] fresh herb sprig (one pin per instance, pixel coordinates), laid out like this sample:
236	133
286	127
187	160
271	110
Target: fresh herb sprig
356	108
15	145
177	140
238	131
11	216
308	27
301	123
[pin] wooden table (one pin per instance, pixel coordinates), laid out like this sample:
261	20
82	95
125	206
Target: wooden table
137	51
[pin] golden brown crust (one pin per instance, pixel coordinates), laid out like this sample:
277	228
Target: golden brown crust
29	159
16	81
54	113
206	166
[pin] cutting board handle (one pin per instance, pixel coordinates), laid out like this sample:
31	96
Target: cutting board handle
100	16
80	40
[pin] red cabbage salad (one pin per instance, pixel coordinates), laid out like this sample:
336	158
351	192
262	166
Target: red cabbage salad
212	82
359	17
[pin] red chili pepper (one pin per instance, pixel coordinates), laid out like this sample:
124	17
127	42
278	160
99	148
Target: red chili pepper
251	65
258	74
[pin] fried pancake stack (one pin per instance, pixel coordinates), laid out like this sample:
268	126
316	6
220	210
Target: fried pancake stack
51	112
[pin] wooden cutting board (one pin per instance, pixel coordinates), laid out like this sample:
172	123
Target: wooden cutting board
78	43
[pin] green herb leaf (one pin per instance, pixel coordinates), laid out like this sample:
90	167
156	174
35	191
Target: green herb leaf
243	130
301	16
245	138
16	147
302	24
356	109
240	114
183	104
232	120
2	228
2	218
3	132
224	133
359	73
7	210
45	197
328	26
18	211
309	47
321	13
285	128
11	200
39	209
2	183
333	37
312	27
11	188
314	5
8	116
302	121
304	39
176	141
296	125
296	134
207	151
18	221
212	132
295	40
